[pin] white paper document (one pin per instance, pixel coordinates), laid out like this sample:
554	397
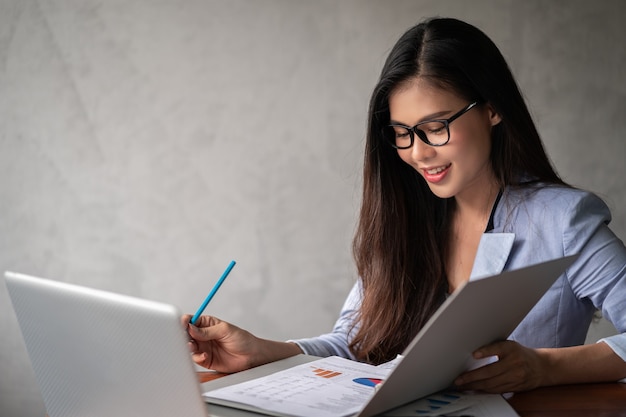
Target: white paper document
451	403
338	387
331	386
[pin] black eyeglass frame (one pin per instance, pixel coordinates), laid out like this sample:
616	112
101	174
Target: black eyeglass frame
422	135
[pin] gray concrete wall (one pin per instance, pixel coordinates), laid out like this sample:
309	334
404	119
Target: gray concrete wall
144	144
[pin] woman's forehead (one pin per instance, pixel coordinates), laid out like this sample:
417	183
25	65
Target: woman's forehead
416	99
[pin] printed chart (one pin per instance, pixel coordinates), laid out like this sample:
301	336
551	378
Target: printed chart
331	387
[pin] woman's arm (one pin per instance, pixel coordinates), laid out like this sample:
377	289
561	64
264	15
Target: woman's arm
577	364
520	369
336	343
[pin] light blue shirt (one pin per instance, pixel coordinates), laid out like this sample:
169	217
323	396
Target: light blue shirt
532	225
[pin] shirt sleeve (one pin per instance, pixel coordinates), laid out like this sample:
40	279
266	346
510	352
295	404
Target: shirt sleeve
336	343
599	274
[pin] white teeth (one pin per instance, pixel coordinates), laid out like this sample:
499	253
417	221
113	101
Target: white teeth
436	170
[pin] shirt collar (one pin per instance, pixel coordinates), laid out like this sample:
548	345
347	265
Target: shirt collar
493	252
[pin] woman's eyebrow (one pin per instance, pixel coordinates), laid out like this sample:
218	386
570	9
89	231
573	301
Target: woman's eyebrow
426	118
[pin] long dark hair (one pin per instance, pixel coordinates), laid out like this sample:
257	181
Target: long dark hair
402	234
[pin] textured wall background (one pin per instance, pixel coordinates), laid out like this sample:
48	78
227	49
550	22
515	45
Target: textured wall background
144	144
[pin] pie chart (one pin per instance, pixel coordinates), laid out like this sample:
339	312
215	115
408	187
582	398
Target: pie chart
370	382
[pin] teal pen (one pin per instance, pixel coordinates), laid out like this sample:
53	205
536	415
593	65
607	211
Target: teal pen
216	287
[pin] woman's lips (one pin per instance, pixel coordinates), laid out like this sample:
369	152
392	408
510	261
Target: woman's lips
435	174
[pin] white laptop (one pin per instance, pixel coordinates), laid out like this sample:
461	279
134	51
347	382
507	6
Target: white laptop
96	353
101	354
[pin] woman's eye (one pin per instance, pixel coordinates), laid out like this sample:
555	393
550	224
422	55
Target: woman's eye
433	128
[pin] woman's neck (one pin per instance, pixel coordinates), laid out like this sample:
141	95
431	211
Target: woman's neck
469	221
475	208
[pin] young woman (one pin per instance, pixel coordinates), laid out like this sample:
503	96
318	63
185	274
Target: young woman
457	185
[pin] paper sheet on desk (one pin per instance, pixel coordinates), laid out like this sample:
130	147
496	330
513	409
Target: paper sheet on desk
453	403
331	387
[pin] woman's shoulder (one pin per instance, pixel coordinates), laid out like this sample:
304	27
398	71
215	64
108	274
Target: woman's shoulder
553	195
553	206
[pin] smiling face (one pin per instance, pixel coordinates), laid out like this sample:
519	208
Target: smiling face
461	168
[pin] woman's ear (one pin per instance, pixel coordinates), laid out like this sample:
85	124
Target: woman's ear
494	117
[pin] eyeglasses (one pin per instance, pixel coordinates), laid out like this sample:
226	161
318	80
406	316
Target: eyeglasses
431	132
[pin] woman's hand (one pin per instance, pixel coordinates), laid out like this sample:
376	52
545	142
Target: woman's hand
218	345
518	368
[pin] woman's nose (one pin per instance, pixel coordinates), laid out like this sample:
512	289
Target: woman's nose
421	151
